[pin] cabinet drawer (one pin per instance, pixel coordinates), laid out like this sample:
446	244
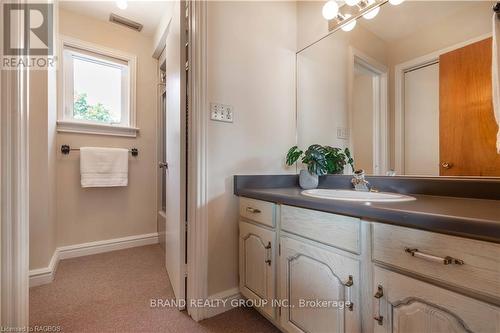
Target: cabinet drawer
330	229
257	211
423	252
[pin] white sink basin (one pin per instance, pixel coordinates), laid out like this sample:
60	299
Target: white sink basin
350	195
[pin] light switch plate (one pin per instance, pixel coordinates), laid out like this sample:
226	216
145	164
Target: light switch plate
221	112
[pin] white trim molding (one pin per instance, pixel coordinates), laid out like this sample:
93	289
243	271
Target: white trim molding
197	156
227	299
14	194
93	128
46	275
65	121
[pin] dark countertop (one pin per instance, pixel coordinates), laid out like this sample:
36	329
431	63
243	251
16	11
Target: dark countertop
465	217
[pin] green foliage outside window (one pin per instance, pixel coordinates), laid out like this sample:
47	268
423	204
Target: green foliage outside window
84	111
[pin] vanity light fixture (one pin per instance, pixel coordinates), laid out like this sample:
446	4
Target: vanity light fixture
122	4
352	2
372	13
347	21
349	26
396	2
330	10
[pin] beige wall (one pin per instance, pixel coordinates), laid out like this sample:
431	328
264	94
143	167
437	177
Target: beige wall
251	65
85	215
41	171
362	118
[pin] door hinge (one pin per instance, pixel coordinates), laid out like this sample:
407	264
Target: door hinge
185	270
279	311
279	249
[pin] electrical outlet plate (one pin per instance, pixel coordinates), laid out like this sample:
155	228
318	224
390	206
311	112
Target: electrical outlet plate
342	133
221	112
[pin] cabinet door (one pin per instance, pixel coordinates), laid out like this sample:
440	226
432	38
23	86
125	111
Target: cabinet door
309	274
407	305
257	266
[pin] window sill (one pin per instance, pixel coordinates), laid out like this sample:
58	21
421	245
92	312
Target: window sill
96	129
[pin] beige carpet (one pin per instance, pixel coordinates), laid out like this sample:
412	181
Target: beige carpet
111	292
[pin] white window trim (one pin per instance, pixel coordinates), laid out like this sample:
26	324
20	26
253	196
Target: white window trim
66	124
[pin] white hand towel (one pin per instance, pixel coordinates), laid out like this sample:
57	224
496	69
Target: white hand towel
496	75
103	167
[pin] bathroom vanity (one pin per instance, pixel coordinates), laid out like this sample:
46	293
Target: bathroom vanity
318	265
403	103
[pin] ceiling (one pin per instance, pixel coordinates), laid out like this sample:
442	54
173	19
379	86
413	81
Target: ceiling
147	13
396	22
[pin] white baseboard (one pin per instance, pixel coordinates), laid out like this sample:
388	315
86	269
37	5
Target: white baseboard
45	275
228	296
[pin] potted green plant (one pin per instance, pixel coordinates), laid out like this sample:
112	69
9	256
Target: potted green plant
320	160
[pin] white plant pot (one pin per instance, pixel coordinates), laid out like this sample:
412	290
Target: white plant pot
307	180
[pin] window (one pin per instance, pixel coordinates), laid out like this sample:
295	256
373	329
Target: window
97	91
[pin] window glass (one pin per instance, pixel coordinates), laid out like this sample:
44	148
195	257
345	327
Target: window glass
97	91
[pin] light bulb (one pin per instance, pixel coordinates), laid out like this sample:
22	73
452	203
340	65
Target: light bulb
330	9
349	26
352	2
122	4
372	13
396	2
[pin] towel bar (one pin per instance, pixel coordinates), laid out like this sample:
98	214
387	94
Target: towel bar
65	149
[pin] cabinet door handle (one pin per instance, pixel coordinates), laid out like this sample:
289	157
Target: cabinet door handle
348	285
268	248
429	257
378	295
252	210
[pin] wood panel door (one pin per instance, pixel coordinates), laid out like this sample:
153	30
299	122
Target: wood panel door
467	123
308	274
257	266
407	305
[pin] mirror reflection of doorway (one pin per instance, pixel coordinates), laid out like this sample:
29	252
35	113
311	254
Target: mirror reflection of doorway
368	123
162	153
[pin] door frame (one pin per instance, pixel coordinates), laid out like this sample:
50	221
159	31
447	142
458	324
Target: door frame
197	201
399	73
14	187
381	109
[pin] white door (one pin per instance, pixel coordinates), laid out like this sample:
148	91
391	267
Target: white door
421	121
257	266
175	179
309	274
406	305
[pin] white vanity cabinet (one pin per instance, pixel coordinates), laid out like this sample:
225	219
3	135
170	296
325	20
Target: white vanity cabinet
406	305
320	288
332	273
257	266
257	252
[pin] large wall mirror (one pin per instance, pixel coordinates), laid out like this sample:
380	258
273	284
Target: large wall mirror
406	87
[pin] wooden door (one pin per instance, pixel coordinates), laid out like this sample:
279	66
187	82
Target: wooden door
308	274
411	306
257	266
468	129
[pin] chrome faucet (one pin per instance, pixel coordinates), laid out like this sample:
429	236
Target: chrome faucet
359	182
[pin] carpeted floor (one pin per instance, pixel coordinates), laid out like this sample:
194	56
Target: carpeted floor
111	292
